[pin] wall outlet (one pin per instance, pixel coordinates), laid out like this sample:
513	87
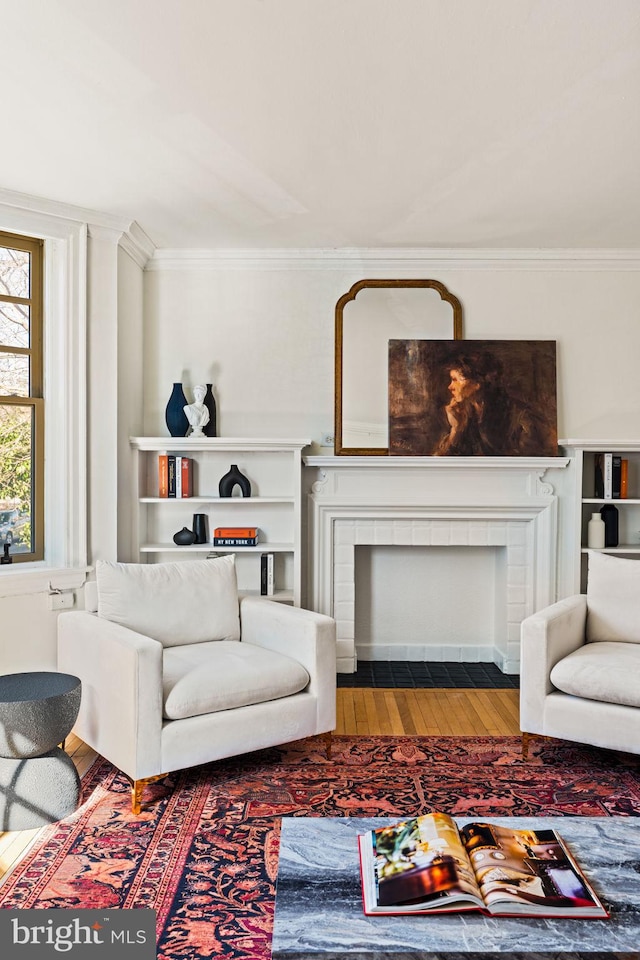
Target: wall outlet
62	601
327	439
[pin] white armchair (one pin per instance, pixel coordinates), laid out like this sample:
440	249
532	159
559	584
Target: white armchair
580	662
177	672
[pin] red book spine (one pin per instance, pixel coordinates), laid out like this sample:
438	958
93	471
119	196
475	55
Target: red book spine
163	475
187	482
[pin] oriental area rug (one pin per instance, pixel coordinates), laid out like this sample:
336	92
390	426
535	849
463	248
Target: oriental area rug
204	852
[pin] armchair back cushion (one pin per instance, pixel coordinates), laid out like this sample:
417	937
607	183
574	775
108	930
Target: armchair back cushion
613	592
174	603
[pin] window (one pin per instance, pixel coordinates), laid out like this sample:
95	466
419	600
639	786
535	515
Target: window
21	398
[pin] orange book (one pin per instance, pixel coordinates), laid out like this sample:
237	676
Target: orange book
187	475
236	532
624	479
163	475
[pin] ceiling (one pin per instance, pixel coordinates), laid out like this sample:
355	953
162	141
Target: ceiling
331	123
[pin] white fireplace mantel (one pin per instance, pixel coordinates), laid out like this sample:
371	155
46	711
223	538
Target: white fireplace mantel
506	502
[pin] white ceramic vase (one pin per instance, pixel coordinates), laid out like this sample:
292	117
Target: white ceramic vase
595	532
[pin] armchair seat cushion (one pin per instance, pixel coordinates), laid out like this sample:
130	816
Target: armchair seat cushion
219	675
606	671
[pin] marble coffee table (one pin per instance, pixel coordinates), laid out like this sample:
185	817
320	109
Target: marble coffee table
319	913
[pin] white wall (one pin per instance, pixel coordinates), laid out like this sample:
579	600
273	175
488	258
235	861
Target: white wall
265	339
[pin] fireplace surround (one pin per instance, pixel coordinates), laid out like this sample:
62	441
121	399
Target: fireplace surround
504	502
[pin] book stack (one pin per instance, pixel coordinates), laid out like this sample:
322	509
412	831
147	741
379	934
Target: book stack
175	476
611	476
267	579
235	536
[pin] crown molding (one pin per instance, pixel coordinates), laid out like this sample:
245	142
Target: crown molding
64	211
137	244
408	260
127	233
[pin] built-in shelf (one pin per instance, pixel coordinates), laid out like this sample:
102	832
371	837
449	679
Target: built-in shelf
274	469
621	548
628	508
210	548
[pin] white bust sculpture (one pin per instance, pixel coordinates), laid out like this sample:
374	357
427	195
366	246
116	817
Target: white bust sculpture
196	412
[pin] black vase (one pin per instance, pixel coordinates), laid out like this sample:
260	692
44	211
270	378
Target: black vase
609	514
234	478
174	415
210	403
184	537
200	527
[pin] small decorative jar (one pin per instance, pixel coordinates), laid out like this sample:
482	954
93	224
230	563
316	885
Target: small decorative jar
184	537
595	532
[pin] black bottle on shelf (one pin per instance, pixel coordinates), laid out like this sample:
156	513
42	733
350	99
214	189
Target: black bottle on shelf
609	514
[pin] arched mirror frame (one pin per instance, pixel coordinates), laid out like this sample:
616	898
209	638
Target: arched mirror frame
351	294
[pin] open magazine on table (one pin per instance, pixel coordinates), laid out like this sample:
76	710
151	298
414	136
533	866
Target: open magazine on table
430	865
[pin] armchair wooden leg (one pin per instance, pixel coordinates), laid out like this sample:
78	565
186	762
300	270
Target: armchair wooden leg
526	738
137	786
327	737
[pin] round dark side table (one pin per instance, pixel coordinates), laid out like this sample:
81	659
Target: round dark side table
39	783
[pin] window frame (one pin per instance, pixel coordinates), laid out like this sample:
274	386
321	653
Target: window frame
64	233
35	398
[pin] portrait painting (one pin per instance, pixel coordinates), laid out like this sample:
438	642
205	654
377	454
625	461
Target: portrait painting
472	398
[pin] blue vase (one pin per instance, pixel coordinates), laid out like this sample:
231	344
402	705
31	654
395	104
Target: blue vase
210	403
174	415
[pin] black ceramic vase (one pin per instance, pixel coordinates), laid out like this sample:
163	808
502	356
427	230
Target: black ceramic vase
184	537
609	514
210	403
200	528
174	415
234	478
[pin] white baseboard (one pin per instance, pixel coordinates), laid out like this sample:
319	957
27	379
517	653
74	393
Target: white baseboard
427	653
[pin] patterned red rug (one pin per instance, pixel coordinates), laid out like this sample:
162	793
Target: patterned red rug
205	853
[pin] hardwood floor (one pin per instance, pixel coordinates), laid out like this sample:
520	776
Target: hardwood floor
451	712
396	712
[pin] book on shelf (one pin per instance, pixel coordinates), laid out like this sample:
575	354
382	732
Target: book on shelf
624	478
175	476
235	541
163	475
235	532
430	865
607	476
171	464
267	578
184	474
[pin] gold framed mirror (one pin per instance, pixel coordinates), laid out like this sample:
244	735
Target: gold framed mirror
370	314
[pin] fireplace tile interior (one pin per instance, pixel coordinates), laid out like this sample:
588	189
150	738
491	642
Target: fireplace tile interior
408	673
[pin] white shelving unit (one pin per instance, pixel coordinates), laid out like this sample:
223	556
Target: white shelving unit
274	468
628	508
